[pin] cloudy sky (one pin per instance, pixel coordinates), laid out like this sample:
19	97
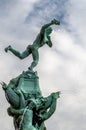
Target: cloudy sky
62	67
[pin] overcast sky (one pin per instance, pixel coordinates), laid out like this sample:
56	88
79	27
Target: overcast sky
62	67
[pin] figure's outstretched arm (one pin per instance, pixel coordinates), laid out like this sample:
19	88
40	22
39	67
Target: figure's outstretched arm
54	21
54	97
12	111
16	53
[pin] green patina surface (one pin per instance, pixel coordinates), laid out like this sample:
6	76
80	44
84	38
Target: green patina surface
28	107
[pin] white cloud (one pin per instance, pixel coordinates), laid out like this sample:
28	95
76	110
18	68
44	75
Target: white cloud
62	67
76	19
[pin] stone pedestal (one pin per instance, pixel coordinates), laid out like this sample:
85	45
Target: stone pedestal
29	84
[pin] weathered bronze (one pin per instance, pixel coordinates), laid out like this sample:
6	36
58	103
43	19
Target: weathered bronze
42	38
28	107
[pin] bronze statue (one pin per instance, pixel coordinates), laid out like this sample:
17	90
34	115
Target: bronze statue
42	38
28	107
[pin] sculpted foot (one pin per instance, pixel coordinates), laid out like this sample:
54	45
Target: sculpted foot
7	48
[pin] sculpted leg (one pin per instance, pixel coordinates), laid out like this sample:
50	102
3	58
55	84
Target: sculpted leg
14	98
27	121
35	55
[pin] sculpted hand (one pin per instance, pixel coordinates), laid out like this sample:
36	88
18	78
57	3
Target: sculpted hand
56	94
4	85
54	21
7	48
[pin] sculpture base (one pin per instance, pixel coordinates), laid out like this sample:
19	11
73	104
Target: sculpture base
29	84
28	107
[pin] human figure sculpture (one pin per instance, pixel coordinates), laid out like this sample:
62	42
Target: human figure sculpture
42	38
28	107
26	111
